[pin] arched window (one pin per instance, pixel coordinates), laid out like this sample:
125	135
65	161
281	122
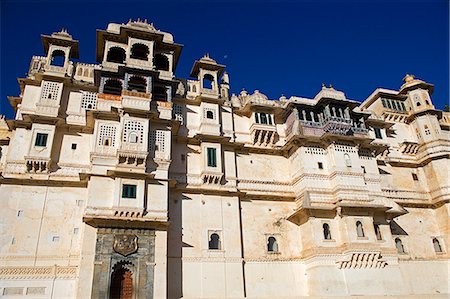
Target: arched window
194	88
347	160
139	51
113	86
209	114
359	229
160	93
58	58
418	104
214	241
326	231
208	81
161	62
399	246
272	245
133	137
116	55
121	284
80	71
377	231
137	83
437	245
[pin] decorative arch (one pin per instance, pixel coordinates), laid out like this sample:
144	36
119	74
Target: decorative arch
161	62
58	58
214	241
139	51
121	286
137	83
437	245
116	55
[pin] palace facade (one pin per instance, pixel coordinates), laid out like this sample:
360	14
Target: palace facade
120	180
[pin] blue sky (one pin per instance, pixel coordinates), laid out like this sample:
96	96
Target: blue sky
287	48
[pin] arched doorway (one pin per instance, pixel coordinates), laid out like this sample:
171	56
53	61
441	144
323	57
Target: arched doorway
121	284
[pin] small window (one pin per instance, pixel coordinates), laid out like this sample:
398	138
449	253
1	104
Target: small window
399	246
427	130
363	169
326	231
128	191
378	133
209	114
19	213
76	230
272	245
418	104
348	161
320	165
211	156
107	141
133	137
74	146
427	102
161	62
437	245
41	139
377	231
55	239
214	242
383	101
359	229
415	177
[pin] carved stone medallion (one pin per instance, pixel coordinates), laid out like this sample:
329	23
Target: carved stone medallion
125	244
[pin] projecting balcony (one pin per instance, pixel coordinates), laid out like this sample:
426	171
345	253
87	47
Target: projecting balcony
129	216
263	135
132	156
37	164
207	93
337	125
136	100
104	155
164	109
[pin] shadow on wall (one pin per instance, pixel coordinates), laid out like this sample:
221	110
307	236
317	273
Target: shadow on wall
397	230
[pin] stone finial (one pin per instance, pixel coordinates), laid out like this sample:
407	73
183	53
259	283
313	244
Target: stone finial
331	86
323	86
408	78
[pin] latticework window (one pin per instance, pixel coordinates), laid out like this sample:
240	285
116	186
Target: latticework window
133	131
50	90
107	135
89	100
157	141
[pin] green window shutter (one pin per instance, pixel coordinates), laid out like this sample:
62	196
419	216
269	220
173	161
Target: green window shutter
129	191
211	157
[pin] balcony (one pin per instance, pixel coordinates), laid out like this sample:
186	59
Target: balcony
129	216
132	156
337	125
263	134
136	100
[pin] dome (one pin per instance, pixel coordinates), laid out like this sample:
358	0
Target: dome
257	96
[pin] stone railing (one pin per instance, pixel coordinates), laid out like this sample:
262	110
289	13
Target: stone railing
37	64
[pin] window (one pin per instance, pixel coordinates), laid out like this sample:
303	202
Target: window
427	130
160	93
389	104
58	58
55	239
209	114
41	139
437	245
272	245
138	84
161	62
403	106
399	246
208	81
214	242
113	86
74	146
263	118
19	213
377	231
139	51
418	104
133	137
348	161
133	131
326	231
89	100
211	156
320	165
378	133
107	135
128	191
359	229
116	55
415	177
383	101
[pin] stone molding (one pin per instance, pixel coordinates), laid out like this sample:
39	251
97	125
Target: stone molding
45	272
